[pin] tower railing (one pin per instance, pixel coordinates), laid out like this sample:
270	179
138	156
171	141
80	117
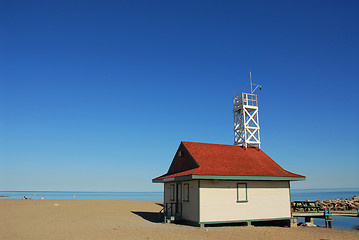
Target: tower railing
246	99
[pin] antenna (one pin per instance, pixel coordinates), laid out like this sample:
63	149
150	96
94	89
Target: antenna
250	80
252	86
246	121
256	86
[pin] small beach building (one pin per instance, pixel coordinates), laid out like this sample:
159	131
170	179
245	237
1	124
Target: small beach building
217	183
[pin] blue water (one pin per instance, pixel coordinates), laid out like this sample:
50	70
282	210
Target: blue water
323	194
144	196
296	195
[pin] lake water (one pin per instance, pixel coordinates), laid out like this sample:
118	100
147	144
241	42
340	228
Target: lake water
296	195
143	196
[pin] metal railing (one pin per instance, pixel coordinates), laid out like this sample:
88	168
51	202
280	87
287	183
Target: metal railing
171	210
246	99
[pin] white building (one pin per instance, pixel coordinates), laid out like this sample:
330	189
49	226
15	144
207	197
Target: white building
216	183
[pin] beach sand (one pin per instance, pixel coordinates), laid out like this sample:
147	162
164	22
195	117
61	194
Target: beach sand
108	219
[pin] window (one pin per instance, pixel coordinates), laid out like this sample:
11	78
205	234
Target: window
186	192
172	192
242	192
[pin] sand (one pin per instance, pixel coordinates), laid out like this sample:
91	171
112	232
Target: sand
105	219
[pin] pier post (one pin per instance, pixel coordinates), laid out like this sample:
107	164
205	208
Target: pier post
328	218
293	222
329	221
309	220
328	224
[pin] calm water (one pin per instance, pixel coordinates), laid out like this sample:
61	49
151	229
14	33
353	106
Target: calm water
323	194
296	195
145	196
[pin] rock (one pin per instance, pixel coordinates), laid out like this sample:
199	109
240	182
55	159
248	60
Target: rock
339	204
308	224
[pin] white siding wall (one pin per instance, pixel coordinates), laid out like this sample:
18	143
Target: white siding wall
266	200
190	208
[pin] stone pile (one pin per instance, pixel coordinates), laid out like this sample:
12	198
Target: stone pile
340	204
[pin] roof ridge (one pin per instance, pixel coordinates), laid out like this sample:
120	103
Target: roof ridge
222	144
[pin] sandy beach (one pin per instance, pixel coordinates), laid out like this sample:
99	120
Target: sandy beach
107	219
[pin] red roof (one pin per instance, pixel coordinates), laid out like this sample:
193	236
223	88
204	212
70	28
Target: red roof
224	160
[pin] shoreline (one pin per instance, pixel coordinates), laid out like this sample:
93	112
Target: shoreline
127	219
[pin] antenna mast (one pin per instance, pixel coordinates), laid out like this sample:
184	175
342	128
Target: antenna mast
250	80
246	121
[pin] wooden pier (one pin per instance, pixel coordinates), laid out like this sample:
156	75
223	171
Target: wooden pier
351	213
320	214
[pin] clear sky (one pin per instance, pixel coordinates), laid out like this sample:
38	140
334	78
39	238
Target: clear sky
97	95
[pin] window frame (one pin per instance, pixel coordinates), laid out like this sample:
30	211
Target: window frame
242	185
172	192
186	191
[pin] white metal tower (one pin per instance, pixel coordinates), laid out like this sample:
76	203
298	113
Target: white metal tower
246	121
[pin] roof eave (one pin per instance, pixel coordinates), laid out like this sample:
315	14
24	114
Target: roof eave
173	179
226	177
254	178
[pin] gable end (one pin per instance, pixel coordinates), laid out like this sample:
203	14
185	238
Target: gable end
182	161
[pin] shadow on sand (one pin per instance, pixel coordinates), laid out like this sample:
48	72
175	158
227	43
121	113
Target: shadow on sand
154	217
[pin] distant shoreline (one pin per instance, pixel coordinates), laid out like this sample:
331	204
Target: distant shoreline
84	191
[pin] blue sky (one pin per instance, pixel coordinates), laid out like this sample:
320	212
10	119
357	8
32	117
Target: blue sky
97	95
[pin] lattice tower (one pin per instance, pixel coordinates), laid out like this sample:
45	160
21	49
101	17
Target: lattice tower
246	121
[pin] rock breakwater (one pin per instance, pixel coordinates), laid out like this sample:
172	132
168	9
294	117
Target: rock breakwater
340	204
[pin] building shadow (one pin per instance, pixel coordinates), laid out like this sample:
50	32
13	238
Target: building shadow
154	217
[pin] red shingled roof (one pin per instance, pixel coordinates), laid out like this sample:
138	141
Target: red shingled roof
224	160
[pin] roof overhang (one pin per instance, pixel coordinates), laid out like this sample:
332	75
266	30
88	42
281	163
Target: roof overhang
225	177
